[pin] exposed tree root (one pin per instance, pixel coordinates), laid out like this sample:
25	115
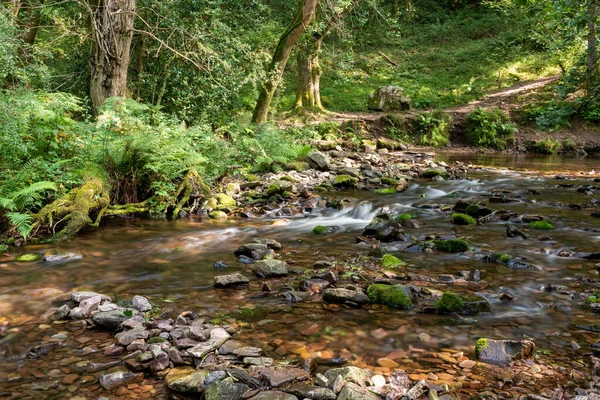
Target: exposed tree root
192	188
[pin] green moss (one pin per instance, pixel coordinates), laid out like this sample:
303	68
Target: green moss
345	181
224	201
463	219
501	258
432	173
28	257
386	191
481	345
250	314
389	181
541	225
3	248
453	245
251	178
156	339
217	215
299	166
320	230
389	261
450	302
397	296
473	210
272	190
403	217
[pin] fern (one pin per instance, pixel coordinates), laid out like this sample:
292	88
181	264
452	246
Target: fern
22	222
31	195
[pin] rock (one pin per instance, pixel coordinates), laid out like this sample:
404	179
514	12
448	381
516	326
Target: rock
224	202
230	346
319	161
231	280
175	356
352	391
349	374
476	304
270	268
28	257
402	185
61	313
416	391
110	320
220	265
502	352
275	395
161	359
383	227
248	351
141	303
279	376
311	392
116	379
512	231
125	338
353	172
270	243
217	215
89	305
186	380
225	390
344	181
390	144
340	295
260	361
398	296
78	297
256	251
314	285
520	264
389	98
218	336
56	255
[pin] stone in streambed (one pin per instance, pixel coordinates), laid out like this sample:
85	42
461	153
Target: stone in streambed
398	296
277	377
349	374
61	313
186	380
231	280
270	243
270	268
345	296
116	379
28	257
256	251
225	390
275	395
502	352
125	338
110	320
141	303
218	336
56	255
319	161
352	391
311	392
78	297
383	227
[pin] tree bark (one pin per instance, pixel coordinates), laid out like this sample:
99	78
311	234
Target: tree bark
592	50
276	68
28	20
308	94
112	31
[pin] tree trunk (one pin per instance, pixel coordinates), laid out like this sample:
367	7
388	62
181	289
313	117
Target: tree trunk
308	94
112	31
395	8
28	20
275	70
592	50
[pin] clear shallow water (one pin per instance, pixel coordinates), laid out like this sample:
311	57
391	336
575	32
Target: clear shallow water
172	264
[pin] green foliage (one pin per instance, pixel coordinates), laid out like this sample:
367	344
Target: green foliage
541	225
463	219
501	258
569	144
397	296
19	202
490	128
450	302
548	146
390	261
345	181
386	191
453	245
328	130
434	127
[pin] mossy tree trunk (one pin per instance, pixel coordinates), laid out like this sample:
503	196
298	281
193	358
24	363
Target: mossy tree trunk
276	68
308	94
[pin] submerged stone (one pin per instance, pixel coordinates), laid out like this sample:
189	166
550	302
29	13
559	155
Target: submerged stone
453	245
116	379
502	352
225	390
186	380
340	295
231	280
56	255
270	268
398	296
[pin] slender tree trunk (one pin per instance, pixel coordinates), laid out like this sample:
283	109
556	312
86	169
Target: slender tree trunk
139	67
112	31
28	20
275	70
308	94
592	50
395	8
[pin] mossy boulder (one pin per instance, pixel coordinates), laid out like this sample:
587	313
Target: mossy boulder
270	268
390	144
541	225
344	181
384	228
452	245
450	302
463	219
403	217
389	181
29	257
320	230
389	98
225	202
389	261
299	166
432	173
398	296
386	191
217	215
476	304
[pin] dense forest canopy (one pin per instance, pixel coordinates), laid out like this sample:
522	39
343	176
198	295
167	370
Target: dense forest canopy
139	94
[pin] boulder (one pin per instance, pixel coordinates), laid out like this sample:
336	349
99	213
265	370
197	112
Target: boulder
270	268
225	390
141	303
340	295
256	251
389	98
383	227
186	380
110	320
349	374
231	280
319	161
352	391
274	395
502	352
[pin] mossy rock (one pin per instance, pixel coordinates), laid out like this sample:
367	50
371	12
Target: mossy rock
473	210
481	344
320	230
217	215
453	245
3	248
403	217
476	304
273	189
501	258
397	296
156	339
251	178
386	191
541	225
389	261
450	302
344	181
463	219
389	181
225	202
30	257
299	166
251	314
432	173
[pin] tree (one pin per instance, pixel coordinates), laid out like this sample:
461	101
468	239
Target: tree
308	93
112	31
304	15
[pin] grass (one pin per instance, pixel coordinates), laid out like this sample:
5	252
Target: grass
442	62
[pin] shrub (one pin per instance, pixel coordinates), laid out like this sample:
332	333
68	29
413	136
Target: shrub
548	146
434	128
490	128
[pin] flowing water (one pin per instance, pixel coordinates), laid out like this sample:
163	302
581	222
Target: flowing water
172	264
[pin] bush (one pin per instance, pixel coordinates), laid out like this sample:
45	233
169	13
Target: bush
548	146
434	127
490	128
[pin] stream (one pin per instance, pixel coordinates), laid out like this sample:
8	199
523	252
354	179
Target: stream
172	264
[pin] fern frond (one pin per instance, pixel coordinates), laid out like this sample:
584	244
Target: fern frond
32	193
22	222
